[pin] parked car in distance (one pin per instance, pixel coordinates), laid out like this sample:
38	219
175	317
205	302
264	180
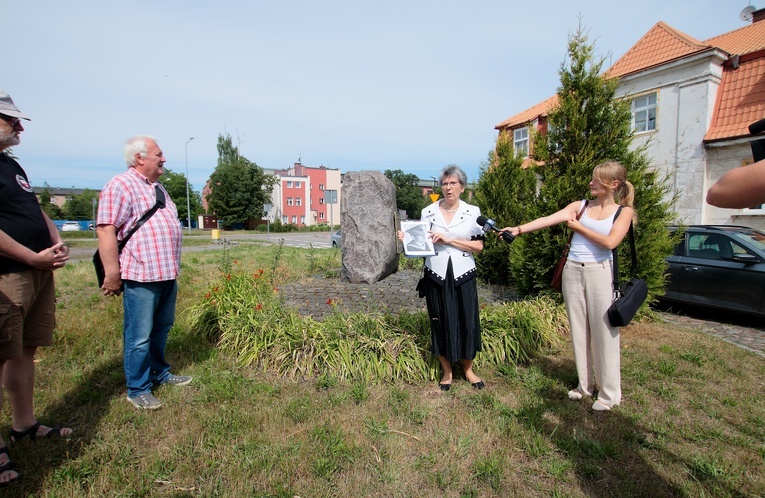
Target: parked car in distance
719	266
336	239
70	226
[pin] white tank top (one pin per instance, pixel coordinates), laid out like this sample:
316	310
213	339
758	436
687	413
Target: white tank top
583	249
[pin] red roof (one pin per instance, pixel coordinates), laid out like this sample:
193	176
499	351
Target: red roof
740	100
529	114
741	95
660	45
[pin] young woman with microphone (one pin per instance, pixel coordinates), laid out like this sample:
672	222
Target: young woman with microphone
587	279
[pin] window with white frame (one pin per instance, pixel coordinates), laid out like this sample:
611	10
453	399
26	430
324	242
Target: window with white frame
321	216
521	141
298	201
321	186
284	218
297	184
321	200
289	184
302	219
294	218
644	113
289	201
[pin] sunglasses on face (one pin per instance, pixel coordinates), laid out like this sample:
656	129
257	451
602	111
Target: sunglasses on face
14	122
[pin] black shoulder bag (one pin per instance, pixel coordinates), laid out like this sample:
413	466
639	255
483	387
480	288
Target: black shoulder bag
98	264
629	297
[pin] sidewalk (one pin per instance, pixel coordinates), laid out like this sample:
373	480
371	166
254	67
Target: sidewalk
747	338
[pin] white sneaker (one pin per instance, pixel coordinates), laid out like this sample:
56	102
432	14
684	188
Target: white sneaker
575	394
599	406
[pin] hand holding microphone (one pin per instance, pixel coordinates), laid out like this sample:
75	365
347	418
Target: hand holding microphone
489	224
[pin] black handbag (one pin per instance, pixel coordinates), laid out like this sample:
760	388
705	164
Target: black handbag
628	297
99	265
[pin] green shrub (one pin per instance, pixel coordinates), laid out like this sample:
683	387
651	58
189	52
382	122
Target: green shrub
244	314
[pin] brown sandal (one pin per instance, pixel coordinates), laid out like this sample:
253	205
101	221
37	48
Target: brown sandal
7	466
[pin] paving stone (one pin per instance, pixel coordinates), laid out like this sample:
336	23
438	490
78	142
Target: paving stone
394	294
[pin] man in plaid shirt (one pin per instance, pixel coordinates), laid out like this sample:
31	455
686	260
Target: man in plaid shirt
146	269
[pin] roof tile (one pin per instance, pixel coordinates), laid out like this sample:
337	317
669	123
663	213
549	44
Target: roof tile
529	114
740	102
661	44
741	41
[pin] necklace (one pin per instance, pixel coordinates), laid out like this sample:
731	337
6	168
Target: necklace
443	206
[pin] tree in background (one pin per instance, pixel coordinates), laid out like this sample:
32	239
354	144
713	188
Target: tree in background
506	193
590	125
409	195
52	210
239	186
175	184
81	206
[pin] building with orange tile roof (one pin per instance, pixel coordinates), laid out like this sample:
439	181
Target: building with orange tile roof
692	104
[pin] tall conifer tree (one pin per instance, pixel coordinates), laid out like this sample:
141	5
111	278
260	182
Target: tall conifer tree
590	125
506	193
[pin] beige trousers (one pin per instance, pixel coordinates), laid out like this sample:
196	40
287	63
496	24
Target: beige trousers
588	293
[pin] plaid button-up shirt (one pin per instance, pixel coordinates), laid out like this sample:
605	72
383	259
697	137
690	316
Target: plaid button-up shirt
153	253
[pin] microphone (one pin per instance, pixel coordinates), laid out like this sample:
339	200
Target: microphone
488	224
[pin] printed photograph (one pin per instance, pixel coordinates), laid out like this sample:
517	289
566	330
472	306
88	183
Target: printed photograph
417	242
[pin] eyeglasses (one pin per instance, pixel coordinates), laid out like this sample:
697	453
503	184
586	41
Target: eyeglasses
14	122
450	184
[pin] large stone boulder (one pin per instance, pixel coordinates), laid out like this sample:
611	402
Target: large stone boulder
367	217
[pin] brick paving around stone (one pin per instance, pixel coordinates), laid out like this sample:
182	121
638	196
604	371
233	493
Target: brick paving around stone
397	293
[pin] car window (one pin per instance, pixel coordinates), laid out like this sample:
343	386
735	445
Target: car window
709	246
737	249
753	237
713	246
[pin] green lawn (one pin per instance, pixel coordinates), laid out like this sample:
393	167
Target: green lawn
692	421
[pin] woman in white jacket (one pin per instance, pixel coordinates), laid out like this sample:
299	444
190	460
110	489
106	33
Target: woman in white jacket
449	285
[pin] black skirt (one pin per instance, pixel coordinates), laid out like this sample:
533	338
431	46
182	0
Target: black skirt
455	329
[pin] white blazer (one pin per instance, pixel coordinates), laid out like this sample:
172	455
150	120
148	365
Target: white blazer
463	226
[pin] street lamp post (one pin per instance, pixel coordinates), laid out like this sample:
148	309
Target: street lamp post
188	202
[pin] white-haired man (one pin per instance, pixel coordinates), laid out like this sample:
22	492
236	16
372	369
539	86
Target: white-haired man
146	269
30	249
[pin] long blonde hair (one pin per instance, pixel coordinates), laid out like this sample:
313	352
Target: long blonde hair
605	174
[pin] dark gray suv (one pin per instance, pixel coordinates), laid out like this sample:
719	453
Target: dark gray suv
719	266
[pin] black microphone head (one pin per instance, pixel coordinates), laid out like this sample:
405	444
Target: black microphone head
486	223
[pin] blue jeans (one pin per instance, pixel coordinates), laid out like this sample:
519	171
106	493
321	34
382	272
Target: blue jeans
149	313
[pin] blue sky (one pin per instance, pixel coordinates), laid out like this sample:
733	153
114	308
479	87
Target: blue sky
356	85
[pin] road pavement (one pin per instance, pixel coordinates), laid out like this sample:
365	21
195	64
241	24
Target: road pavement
319	240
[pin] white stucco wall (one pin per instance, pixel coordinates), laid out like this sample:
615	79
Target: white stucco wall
686	92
